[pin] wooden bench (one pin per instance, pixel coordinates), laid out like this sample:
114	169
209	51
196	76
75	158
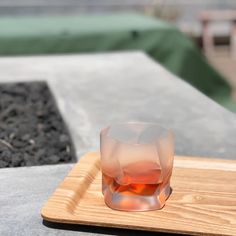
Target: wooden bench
207	17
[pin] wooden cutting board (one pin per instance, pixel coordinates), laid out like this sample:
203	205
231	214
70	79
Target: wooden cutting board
203	201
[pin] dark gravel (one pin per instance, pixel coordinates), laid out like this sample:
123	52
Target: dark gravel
32	131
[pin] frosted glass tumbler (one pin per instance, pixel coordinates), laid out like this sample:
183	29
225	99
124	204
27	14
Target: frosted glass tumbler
136	163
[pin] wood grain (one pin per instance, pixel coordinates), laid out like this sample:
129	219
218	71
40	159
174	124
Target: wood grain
203	201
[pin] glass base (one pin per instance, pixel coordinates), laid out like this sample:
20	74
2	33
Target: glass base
134	202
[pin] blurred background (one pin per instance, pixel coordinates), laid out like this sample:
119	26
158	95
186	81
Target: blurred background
194	39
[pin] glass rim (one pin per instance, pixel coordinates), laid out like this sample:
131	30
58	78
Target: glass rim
106	129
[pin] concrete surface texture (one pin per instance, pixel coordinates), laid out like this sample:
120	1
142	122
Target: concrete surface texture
93	91
23	191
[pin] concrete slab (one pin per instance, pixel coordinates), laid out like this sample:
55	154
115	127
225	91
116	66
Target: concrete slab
23	191
92	91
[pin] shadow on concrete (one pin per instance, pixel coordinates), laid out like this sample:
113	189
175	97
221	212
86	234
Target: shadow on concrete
101	230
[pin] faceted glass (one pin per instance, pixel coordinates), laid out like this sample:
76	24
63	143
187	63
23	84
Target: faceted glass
136	163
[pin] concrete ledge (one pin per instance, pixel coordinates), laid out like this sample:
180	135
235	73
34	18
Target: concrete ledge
23	192
93	91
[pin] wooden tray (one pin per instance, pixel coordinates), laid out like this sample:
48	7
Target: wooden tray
203	199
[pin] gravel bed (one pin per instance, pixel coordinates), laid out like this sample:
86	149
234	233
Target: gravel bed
32	131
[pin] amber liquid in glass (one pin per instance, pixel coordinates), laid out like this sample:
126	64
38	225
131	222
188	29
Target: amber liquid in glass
138	185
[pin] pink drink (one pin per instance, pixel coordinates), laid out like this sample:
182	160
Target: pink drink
139	187
136	164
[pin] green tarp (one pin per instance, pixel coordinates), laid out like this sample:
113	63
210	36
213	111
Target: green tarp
99	33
